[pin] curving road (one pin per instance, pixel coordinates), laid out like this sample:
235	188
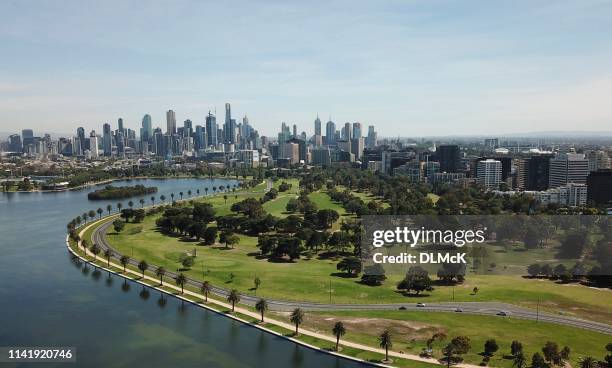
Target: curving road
480	308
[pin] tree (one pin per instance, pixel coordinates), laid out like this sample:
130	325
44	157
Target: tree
108	254
109	208
187	262
416	279
118	225
261	306
160	272
180	280
205	289
152	200
143	266
95	250
225	198
233	297
350	265
551	352
384	341
124	260
537	361
534	269
142	202
338	331
162	198
92	214
519	360
119	206
516	348
490	347
210	235
458	346
256	282
100	211
588	362
608	357
229	238
297	317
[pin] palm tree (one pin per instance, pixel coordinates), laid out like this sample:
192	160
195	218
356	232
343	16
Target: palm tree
297	317
519	361
119	206
153	200
131	204
172	196
384	341
92	214
180	280
162	198
160	272
215	189
95	250
338	330
205	289
197	192
181	194
142	202
100	211
85	245
108	254
588	362
109	208
143	266
225	197
233	297
84	217
206	190
124	261
261	307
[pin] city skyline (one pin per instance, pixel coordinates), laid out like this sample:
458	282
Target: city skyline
415	70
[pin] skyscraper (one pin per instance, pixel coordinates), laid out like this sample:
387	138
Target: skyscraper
449	157
229	128
107	140
27	137
83	144
146	132
346	132
187	128
93	144
372	137
357	130
568	168
170	122
211	130
330	133
317	126
489	173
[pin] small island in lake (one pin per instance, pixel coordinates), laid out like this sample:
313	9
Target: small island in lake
112	192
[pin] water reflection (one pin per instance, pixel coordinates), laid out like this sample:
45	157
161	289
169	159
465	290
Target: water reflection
125	287
96	274
144	293
162	301
109	280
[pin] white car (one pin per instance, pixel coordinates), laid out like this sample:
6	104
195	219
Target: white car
420	304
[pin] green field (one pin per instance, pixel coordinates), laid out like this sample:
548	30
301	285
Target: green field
410	330
317	279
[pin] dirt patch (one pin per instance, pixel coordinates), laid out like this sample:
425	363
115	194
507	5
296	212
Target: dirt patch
406	330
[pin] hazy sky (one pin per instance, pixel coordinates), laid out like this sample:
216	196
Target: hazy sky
408	67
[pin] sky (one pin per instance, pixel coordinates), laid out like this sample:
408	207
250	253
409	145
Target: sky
410	68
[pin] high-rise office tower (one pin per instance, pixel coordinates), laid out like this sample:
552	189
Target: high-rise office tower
27	138
295	131
489	173
158	142
346	132
199	138
357	130
170	122
533	172
120	125
599	184
372	139
317	126
93	144
211	130
187	128
449	158
107	145
330	133
568	168
15	144
229	128
285	134
83	143
146	133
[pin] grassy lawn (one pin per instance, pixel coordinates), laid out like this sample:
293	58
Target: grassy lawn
410	330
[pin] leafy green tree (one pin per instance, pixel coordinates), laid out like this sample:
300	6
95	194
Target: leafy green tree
100	211
118	225
519	360
588	362
417	280
350	265
297	317
256	282
516	348
338	330
537	361
261	306
229	238
187	262
551	352
490	347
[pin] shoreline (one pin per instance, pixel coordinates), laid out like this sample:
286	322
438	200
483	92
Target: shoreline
247	312
110	181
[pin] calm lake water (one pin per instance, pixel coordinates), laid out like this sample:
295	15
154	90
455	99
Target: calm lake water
47	300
